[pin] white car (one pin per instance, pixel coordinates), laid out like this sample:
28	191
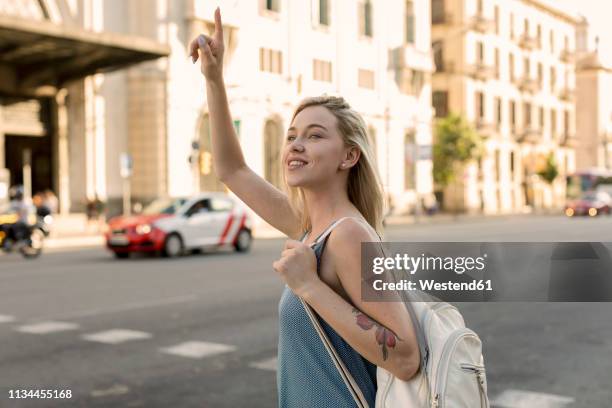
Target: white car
172	226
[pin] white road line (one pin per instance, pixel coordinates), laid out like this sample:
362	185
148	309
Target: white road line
269	364
530	399
130	306
6	318
116	336
197	349
47	327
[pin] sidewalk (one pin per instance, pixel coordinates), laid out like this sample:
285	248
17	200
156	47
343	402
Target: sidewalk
71	232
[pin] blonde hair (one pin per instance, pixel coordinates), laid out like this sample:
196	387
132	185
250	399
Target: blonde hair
363	185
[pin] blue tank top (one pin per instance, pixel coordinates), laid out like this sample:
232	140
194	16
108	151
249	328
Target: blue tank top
306	376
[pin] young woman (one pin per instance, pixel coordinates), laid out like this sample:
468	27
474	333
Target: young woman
329	174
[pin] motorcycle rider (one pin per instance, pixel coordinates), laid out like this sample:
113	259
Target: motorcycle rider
19	230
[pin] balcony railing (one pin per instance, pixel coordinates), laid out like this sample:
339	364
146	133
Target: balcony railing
568	56
568	140
442	19
567	94
482	23
528	42
528	84
529	134
485	128
481	71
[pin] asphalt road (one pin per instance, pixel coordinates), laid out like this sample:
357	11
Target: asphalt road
201	331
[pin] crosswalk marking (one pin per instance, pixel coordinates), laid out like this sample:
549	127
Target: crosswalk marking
116	336
6	318
47	327
268	364
197	349
529	399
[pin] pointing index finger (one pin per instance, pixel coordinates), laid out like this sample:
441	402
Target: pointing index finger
218	25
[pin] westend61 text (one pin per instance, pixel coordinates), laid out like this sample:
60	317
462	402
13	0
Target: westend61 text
429	284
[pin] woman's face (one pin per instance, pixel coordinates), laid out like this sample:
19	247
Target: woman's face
314	141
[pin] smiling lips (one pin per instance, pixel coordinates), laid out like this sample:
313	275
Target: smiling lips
294	163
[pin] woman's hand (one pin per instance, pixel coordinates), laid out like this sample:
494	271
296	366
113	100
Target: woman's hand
211	50
297	267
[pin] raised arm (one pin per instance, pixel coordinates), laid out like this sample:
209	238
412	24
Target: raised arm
228	161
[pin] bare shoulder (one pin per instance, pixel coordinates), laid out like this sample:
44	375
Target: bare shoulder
345	240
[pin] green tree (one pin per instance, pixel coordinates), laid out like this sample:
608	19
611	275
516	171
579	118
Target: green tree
457	142
550	171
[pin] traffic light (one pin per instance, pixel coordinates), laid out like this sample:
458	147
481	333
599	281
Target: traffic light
205	163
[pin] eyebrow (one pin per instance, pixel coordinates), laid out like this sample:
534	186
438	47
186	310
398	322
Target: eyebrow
308	127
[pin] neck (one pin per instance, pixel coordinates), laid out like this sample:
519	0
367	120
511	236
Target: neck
326	205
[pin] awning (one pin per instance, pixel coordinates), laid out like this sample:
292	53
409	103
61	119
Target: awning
39	54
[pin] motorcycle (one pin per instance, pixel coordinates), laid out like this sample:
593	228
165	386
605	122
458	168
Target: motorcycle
30	245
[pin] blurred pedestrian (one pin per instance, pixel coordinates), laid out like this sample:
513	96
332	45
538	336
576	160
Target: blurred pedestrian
50	201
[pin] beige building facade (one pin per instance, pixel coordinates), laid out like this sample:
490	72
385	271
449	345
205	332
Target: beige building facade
594	113
509	68
375	54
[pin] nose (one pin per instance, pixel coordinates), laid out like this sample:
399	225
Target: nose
297	146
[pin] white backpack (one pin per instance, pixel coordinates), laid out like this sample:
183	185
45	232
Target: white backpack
452	373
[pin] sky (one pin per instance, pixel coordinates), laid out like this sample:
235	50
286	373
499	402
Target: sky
598	14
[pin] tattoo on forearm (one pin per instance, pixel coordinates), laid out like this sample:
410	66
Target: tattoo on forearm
385	337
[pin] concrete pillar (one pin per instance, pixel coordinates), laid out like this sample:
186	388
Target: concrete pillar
2	162
63	176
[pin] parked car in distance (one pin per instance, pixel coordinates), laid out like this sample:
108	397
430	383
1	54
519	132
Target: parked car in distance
591	203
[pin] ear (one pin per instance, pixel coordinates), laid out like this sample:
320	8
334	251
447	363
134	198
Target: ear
351	157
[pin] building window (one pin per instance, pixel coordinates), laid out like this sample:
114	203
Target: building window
409	160
272	5
479	99
365	18
438	56
512	158
440	103
498	172
437	12
498	112
553	79
512	26
553	122
526	28
513	114
541	118
566	123
540	74
366	78
480	52
511	66
552	41
409	18
321	70
527	114
539	35
497	63
270	61
496	20
324	12
526	67
273	145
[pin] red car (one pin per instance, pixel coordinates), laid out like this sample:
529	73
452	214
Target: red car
595	203
172	226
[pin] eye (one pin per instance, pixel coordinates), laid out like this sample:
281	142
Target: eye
289	138
315	135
